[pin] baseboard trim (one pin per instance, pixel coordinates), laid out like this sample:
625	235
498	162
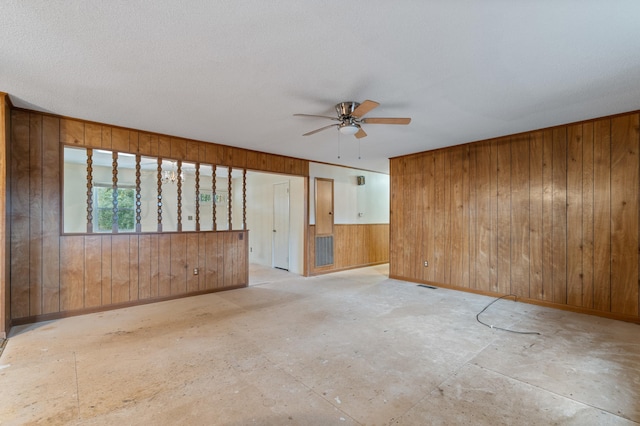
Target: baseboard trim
66	314
576	309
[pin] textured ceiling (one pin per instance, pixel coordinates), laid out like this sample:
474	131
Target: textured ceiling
235	72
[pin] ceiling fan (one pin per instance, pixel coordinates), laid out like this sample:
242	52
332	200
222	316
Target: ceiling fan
350	118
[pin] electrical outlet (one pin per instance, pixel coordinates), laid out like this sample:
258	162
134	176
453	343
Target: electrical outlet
195	271
426	263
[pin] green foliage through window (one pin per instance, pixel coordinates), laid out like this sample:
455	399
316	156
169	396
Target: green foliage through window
104	209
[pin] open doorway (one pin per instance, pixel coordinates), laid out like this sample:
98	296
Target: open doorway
275	203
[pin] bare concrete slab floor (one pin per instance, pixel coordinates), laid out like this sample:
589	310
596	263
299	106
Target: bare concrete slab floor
350	348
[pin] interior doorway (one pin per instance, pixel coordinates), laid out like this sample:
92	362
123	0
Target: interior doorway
265	214
281	203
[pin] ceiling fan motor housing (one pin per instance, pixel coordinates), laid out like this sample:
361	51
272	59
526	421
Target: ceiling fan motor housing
345	109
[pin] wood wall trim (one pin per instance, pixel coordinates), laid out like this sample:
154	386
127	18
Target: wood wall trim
552	216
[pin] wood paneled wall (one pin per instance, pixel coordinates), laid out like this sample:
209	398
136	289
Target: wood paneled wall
52	274
354	246
5	126
95	135
551	216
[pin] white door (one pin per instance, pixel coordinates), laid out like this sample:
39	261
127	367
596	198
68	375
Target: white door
281	225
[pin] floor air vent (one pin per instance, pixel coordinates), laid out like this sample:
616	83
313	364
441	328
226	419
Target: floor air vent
324	251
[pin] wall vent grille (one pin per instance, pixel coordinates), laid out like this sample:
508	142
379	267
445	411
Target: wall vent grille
324	251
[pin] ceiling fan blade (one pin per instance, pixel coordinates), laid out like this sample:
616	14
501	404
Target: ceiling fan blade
319	116
380	120
313	132
360	134
364	108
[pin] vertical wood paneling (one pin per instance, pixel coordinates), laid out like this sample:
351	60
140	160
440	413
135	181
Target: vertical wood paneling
134	146
396	266
51	215
164	146
574	215
20	214
559	264
457	238
71	132
473	216
504	216
440	212
51	273
120	269
164	265
178	264
547	215
192	260
587	214
202	260
35	213
106	137
483	220
536	197
72	273
553	215
92	271
428	194
624	214
155	261
520	216
466	211
411	260
119	139
134	267
93	135
445	260
144	267
493	217
214	261
106	270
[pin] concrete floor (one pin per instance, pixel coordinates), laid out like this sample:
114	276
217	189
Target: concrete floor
342	349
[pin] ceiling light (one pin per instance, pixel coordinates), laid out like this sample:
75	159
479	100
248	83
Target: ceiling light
349	128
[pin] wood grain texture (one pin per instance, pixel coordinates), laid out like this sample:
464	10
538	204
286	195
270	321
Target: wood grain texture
547	215
624	214
178	244
559	233
120	269
192	262
553	216
51	215
588	198
574	215
484	225
35	213
373	237
71	273
536	196
426	220
92	271
105	284
504	215
19	215
53	273
520	216
71	132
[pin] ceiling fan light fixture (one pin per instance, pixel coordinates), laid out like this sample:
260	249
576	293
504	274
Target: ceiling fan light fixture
349	128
